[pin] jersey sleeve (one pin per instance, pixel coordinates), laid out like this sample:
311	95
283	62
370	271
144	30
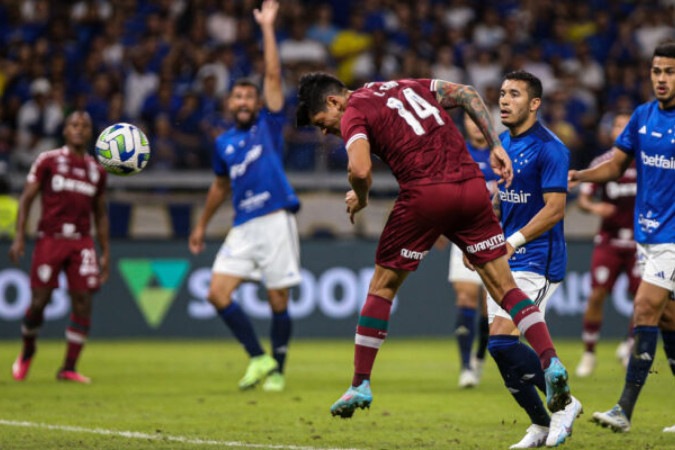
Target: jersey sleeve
218	164
554	164
39	169
354	126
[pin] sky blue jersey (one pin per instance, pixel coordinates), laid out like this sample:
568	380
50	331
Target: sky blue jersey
649	138
482	158
540	165
252	160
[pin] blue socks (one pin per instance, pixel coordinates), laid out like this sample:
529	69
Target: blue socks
521	370
240	325
641	361
280	334
465	330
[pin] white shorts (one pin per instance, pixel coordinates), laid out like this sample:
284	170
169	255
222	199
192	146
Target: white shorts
657	264
535	286
265	249
458	271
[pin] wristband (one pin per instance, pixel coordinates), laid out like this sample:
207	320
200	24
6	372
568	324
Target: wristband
516	240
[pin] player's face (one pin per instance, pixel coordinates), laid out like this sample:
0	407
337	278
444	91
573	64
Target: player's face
515	107
618	124
244	104
328	120
77	131
663	80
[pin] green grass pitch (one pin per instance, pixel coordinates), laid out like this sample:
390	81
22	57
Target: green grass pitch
183	395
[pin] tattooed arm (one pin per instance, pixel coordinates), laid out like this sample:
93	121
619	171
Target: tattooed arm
451	95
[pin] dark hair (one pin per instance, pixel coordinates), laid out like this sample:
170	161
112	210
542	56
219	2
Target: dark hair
312	93
665	49
246	82
534	88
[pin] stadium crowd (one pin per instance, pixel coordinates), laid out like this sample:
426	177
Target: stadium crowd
167	64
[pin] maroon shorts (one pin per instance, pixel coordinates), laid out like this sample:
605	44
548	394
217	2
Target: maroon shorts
460	211
76	257
608	262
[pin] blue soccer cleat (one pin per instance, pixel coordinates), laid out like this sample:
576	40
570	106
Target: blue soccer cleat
557	390
355	397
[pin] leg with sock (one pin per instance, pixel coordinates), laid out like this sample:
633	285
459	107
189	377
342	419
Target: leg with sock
76	336
618	418
261	364
465	331
371	332
30	327
280	334
530	322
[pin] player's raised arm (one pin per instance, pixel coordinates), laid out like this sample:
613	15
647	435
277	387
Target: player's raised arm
272	90
607	171
451	95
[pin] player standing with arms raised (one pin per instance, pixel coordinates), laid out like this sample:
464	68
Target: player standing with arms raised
442	192
263	244
72	187
649	139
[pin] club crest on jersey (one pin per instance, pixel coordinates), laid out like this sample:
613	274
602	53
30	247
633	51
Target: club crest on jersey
44	272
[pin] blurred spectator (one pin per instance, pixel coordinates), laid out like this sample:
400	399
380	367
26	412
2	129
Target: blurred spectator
323	29
300	49
444	68
139	83
222	24
654	26
39	124
483	70
9	207
348	44
489	33
458	14
375	64
164	151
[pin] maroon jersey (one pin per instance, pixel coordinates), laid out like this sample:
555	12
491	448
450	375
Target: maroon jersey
617	229
408	130
69	185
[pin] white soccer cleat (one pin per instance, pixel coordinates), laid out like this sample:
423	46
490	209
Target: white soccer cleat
669	429
535	437
562	422
615	419
586	365
467	379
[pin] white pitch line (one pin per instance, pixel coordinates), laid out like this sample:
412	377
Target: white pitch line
158	437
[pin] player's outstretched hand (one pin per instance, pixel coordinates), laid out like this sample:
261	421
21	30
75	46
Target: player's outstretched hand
353	205
196	241
267	12
572	180
16	251
501	165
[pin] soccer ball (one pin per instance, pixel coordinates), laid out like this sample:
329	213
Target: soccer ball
122	149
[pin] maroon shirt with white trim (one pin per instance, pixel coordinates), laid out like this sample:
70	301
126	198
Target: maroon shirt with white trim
69	186
409	130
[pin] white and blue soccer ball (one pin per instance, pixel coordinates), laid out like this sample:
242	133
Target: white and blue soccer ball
123	149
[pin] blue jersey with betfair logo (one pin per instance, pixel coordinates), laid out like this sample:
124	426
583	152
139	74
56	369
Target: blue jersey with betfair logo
252	160
540	164
649	137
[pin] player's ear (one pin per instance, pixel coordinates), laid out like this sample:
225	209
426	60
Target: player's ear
535	103
333	100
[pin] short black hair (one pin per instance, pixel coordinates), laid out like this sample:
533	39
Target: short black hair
665	50
534	88
312	92
246	82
